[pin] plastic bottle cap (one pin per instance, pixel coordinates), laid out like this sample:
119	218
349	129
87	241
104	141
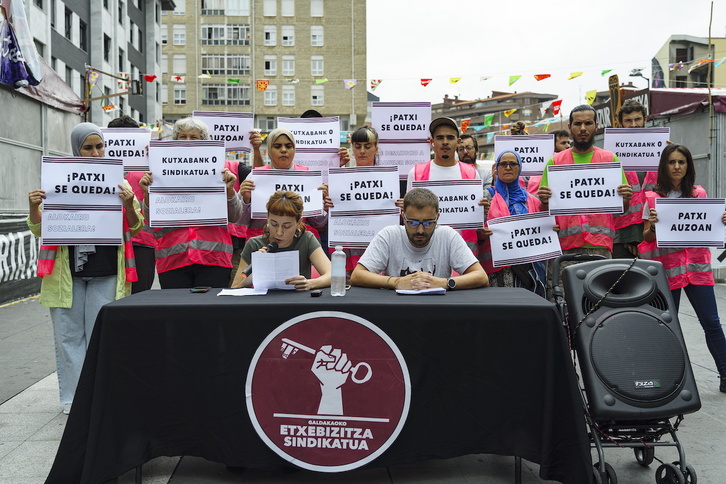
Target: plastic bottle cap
339	247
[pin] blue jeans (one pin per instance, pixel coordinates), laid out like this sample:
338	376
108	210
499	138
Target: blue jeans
72	328
703	300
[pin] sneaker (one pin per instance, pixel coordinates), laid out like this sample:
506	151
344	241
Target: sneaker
722	387
67	407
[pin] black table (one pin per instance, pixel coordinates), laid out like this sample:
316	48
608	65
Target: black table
165	372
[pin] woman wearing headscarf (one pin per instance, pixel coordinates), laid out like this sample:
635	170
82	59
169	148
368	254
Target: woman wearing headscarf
508	197
78	280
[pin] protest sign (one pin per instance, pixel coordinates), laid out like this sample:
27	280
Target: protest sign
82	204
458	202
129	144
401	120
356	229
638	149
403	154
313	132
690	222
518	239
363	188
304	183
534	149
232	128
586	188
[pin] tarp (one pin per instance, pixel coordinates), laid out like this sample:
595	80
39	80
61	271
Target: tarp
54	92
18	259
672	102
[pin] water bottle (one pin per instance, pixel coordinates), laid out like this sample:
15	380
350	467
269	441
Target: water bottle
337	281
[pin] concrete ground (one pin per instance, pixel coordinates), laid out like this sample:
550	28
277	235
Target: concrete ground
32	423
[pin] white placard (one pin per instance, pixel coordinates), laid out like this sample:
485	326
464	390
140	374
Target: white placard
534	149
364	188
129	144
404	155
586	188
356	230
318	159
187	208
690	222
401	121
458	202
187	164
304	183
518	239
270	270
313	132
638	149
231	128
82	204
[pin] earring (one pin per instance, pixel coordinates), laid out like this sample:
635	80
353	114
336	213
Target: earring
298	233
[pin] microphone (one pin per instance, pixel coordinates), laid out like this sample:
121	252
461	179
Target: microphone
271	247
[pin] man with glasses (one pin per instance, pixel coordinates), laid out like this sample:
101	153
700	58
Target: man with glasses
468	151
418	255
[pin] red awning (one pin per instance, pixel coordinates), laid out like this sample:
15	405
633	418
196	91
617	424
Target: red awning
672	102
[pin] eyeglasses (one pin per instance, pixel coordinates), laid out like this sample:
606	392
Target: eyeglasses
415	223
467	148
508	164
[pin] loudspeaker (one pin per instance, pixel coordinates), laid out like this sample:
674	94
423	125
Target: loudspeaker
633	358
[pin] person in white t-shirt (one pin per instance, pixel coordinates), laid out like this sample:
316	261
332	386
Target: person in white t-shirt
418	255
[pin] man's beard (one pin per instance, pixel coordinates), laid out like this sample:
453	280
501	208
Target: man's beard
583	145
467	159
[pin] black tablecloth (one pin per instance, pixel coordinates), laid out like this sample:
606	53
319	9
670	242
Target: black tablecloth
165	373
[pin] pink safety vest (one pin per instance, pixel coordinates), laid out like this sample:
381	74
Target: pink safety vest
685	266
634	215
235	229
146	235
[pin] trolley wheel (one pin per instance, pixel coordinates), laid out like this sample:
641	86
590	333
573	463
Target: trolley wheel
690	474
609	477
597	478
669	474
644	455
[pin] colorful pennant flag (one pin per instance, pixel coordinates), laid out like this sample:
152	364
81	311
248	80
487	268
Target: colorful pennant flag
718	64
149	77
108	107
509	112
488	120
699	64
490	136
556	105
350	83
590	96
123	83
93	77
546	128
262	84
425	82
540	77
234	81
454	80
374	84
606	71
293	81
484	78
465	124
321	81
204	75
513	79
478	128
574	75
177	78
675	67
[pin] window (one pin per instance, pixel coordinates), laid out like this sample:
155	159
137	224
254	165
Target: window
288	95
140	5
270	35
220	34
180	34
39	46
121	59
271	96
52	13
238	7
316	8
140	37
270	65
316	66
164	63
266	124
121	12
164	94
39	4
106	48
316	35
681	81
684	54
158	52
288	35
83	35
122	105
132	31
180	7
288	65
226	94
69	76
317	97
164	34
68	24
269	8
226	64
287	8
180	94
179	64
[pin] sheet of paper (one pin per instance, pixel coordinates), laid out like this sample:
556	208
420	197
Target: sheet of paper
431	291
242	291
269	271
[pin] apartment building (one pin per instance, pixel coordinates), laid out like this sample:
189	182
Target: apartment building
269	57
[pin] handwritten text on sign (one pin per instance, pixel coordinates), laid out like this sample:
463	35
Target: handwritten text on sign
518	239
690	222
585	188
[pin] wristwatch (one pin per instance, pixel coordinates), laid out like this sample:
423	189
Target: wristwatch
451	283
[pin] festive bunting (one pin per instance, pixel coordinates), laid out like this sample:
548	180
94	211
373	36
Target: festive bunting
177	78
590	96
108	107
513	79
204	75
425	82
149	78
321	81
478	128
574	75
374	84
490	136
556	105
293	81
675	67
123	83
350	83
93	77
454	80
488	120
262	84
485	78
546	128
465	124
234	81
606	71
540	77
699	64
718	64
509	112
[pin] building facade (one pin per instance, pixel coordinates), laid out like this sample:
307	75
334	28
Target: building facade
686	61
215	53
